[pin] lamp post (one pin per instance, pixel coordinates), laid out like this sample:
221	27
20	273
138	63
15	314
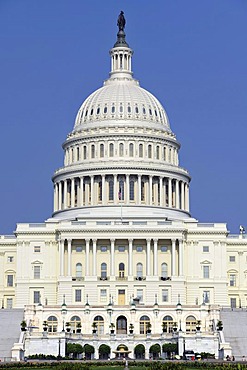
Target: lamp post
63	311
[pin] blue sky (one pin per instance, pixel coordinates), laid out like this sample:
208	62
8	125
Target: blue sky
191	54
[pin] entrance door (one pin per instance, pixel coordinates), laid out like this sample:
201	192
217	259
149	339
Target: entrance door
121	297
121	325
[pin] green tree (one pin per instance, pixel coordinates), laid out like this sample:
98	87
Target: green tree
155	350
89	350
75	349
139	351
104	351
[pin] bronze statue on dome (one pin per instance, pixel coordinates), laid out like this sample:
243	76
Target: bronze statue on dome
121	21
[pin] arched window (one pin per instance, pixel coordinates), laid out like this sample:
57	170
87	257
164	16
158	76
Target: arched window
139	270
113	109
131	150
136	110
72	155
132	190
100	191
121	149
158	152
164	270
78	153
121	325
103	271
105	110
149	151
164	153
190	324
121	108
111	190
121	269
93	151
78	271
144	324
101	150
98	110
111	147
52	324
142	191
167	324
84	152
141	150
73	323
98	324
129	109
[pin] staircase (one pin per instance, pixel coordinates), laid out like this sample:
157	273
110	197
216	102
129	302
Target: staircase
10	320
235	330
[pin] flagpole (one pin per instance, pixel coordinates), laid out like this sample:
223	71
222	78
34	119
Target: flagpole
121	206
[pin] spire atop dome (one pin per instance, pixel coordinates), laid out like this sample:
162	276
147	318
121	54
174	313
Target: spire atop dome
121	34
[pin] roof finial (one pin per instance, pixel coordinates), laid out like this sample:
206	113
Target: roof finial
121	34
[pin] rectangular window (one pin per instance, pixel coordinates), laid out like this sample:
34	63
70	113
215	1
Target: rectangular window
206	272
206	296
36	249
10	259
10	280
139	294
36	272
121	248
232	258
78	248
232	280
36	296
78	295
103	248
103	295
164	248
164	295
233	302
9	303
139	248
205	248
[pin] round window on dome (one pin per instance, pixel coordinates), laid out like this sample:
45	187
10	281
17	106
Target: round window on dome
105	110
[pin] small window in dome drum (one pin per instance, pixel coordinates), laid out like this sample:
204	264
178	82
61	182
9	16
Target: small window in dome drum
155	113
98	110
144	110
137	110
91	112
121	109
129	109
150	112
86	113
113	109
105	110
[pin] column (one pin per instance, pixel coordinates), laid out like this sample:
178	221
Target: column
173	257
181	257
170	193
148	256
112	257
155	257
86	191
177	194
81	190
161	192
69	257
60	195
55	199
186	197
87	257
92	190
115	189
150	190
61	254
130	257
139	200
103	189
72	193
65	195
94	257
182	195
127	179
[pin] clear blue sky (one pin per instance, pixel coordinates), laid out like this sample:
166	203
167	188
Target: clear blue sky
191	54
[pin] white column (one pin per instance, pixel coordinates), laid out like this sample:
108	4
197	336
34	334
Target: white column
180	256
170	193
112	257
155	257
177	194
94	257
188	198
127	179
81	190
103	189
72	193
150	190
69	257
87	257
115	189
60	195
182	195
92	190
130	257
65	194
139	199
161	192
173	257
148	256
55	200
61	254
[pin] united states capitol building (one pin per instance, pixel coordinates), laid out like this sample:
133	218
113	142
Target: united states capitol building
122	261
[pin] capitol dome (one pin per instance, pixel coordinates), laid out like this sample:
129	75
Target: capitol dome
121	153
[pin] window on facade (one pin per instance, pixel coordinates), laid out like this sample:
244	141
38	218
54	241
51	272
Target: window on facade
158	152
121	269
139	270
9	303
105	110
167	324
131	150
36	272
52	324
143	110
205	248
100	191
129	109
103	270
78	295
78	248
111	190
150	112
73	323
132	190
206	296
164	270
233	302
113	109
149	151
141	150
136	110
144	324
36	249
99	324
164	295
103	295
232	258
10	259
111	149
206	272
139	295
84	152
190	324
91	112
77	153
101	150
10	280
93	151
36	296
164	153
142	191
121	109
98	110
121	149
232	279
164	248
139	248
78	270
